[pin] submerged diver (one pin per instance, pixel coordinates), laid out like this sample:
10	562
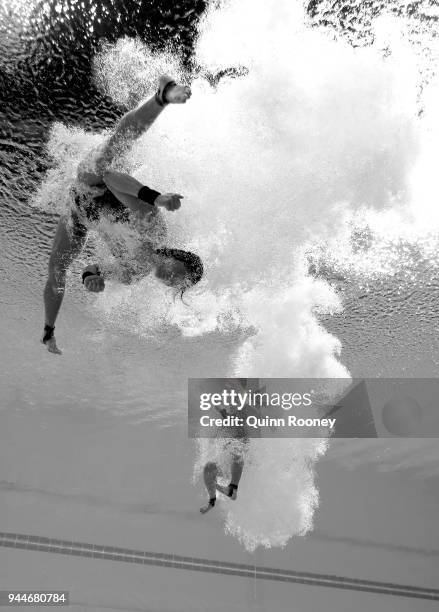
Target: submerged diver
235	446
212	471
101	194
233	453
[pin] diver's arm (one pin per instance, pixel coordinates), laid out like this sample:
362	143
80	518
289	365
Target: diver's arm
123	183
137	121
133	203
92	170
127	190
132	125
138	197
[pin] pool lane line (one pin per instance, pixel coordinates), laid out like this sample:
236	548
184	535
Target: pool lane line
113	553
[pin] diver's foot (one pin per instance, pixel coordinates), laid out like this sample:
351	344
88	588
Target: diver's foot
171	93
92	279
52	347
231	490
208	506
49	340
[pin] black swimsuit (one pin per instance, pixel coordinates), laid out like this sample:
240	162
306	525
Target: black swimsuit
95	203
104	204
92	208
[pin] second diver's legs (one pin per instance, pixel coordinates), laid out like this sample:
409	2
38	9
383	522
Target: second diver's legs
211	473
232	489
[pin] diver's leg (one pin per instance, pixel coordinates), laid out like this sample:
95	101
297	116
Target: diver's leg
237	467
232	489
67	245
210	474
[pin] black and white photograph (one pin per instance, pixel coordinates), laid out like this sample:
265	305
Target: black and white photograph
219	297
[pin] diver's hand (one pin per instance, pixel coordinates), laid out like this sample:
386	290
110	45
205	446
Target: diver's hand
170	201
94	282
177	94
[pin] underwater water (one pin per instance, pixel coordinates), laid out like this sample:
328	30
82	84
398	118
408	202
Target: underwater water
306	157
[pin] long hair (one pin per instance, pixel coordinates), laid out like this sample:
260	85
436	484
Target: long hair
192	263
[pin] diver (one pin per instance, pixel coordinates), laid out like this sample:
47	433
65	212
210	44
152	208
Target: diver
101	193
235	442
233	451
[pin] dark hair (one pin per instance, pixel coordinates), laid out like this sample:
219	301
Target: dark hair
192	263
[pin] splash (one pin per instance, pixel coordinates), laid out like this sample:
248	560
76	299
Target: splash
128	71
317	132
66	147
13	12
277	490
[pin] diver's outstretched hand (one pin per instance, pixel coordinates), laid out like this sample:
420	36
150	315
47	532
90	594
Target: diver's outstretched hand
169	201
172	93
178	94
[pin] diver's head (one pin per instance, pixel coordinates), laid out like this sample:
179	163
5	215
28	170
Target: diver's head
177	268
